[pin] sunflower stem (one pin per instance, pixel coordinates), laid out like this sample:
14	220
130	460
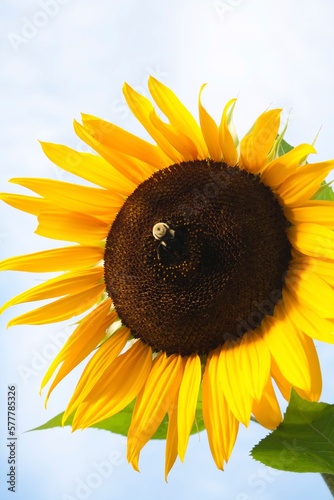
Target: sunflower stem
329	480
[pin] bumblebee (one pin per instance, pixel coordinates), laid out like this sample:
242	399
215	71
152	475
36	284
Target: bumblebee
166	237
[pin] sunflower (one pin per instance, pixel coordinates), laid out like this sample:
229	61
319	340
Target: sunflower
203	265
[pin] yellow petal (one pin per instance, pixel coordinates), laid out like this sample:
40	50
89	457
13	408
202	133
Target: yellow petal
281	382
178	115
171	438
304	183
96	368
59	259
30	204
221	425
66	284
213	406
120	384
153	403
142	109
188	396
287	350
88	166
119	139
280	169
256	145
308	320
254	362
75	198
267	411
158	361
314	211
182	143
285	387
72	226
322	267
61	309
276	150
210	130
307	288
314	391
226	139
232	380
133	169
312	239
86	337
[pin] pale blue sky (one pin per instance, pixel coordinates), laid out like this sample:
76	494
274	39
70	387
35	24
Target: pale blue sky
63	57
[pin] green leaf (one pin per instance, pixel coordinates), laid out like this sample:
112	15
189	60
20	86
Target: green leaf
120	423
303	442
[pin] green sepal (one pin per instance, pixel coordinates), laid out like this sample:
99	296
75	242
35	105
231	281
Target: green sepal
325	192
284	147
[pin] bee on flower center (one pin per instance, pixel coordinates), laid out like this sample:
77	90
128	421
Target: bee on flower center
166	236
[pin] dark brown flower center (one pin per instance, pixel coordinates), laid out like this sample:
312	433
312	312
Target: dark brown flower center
196	256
